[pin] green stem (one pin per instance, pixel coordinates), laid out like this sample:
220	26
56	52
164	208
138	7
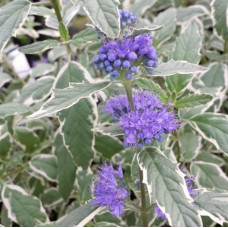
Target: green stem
183	3
55	4
178	146
225	50
14	171
127	86
144	211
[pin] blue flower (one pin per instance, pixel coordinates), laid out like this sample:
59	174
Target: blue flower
107	190
127	18
188	181
130	52
159	213
149	119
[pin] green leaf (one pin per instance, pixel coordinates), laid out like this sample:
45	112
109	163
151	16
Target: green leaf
51	197
107	145
167	19
178	82
84	183
152	86
22	208
187	47
220	17
39	46
166	184
37	185
27	138
112	129
185	14
4	78
65	98
207	156
188	44
77	123
10	109
209	79
40	11
209	176
135	171
66	168
56	53
216	204
193	100
78	217
142	30
42	69
36	91
5	221
104	15
63	32
5	146
190	144
72	72
85	36
140	7
212	127
107	218
177	67
13	16
216	86
78	120
45	165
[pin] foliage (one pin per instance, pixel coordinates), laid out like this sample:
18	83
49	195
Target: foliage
54	132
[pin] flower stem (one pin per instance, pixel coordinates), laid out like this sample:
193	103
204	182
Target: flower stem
55	4
178	146
127	86
144	211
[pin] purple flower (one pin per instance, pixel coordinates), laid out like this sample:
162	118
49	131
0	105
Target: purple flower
159	213
107	190
127	18
149	119
130	52
188	181
126	64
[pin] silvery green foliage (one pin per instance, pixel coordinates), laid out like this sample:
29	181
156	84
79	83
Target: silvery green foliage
53	133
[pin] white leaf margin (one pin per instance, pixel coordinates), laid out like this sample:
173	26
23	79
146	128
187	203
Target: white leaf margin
41	172
14	32
221	174
220	220
6	201
183	185
195	127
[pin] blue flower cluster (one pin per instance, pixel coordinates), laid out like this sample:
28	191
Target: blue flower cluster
123	57
127	18
188	181
149	119
107	190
